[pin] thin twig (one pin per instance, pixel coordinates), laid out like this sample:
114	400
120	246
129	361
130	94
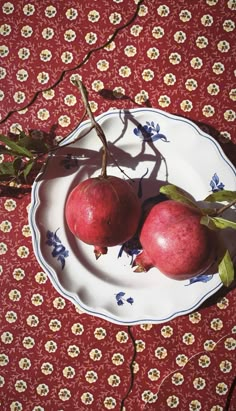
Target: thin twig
98	128
223	209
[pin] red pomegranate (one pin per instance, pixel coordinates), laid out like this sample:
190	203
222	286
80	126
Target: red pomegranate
174	241
103	211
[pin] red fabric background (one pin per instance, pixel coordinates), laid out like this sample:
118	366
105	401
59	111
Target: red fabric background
168	371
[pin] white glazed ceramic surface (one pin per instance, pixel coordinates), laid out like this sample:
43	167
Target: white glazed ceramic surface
152	148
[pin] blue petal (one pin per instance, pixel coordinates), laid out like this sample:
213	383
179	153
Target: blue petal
201	278
157	128
130	300
50	234
120	302
137	132
121	251
162	137
221	186
58	249
62	260
215	178
120	295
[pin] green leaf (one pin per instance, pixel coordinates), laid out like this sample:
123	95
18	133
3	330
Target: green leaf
215	223
22	151
7	169
226	269
222	195
28	168
175	193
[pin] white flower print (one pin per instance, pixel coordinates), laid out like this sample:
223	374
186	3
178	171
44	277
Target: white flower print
87	398
68	372
7	337
221	388
115	18
5	29
8	8
71	14
4	51
22	75
43	77
26	31
226	366
199	383
91	38
29	9
91	376
50	11
185	15
67	57
14	295
163	10
45	55
228	25
172	401
48	33
93	16
207	20
70	35
164	101
229	115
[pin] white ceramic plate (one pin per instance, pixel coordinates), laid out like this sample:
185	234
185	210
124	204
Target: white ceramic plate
152	147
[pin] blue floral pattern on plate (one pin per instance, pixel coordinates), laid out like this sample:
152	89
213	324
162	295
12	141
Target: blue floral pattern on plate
215	184
120	298
149	132
59	250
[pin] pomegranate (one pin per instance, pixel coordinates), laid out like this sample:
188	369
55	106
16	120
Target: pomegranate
174	241
103	211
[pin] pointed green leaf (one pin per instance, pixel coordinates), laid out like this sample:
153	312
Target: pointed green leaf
222	195
175	193
215	223
22	151
226	269
28	168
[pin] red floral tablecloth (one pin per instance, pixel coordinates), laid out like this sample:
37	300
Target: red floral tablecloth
176	56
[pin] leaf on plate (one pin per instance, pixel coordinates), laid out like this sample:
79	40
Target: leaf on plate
175	193
226	269
222	195
215	223
22	151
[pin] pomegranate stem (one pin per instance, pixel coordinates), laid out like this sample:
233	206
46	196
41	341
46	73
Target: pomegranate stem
98	128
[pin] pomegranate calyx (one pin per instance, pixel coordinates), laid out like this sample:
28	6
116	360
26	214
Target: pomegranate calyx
99	250
142	263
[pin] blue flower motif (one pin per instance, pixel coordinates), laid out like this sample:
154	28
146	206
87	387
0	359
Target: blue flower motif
200	278
59	251
149	132
215	184
120	299
131	247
